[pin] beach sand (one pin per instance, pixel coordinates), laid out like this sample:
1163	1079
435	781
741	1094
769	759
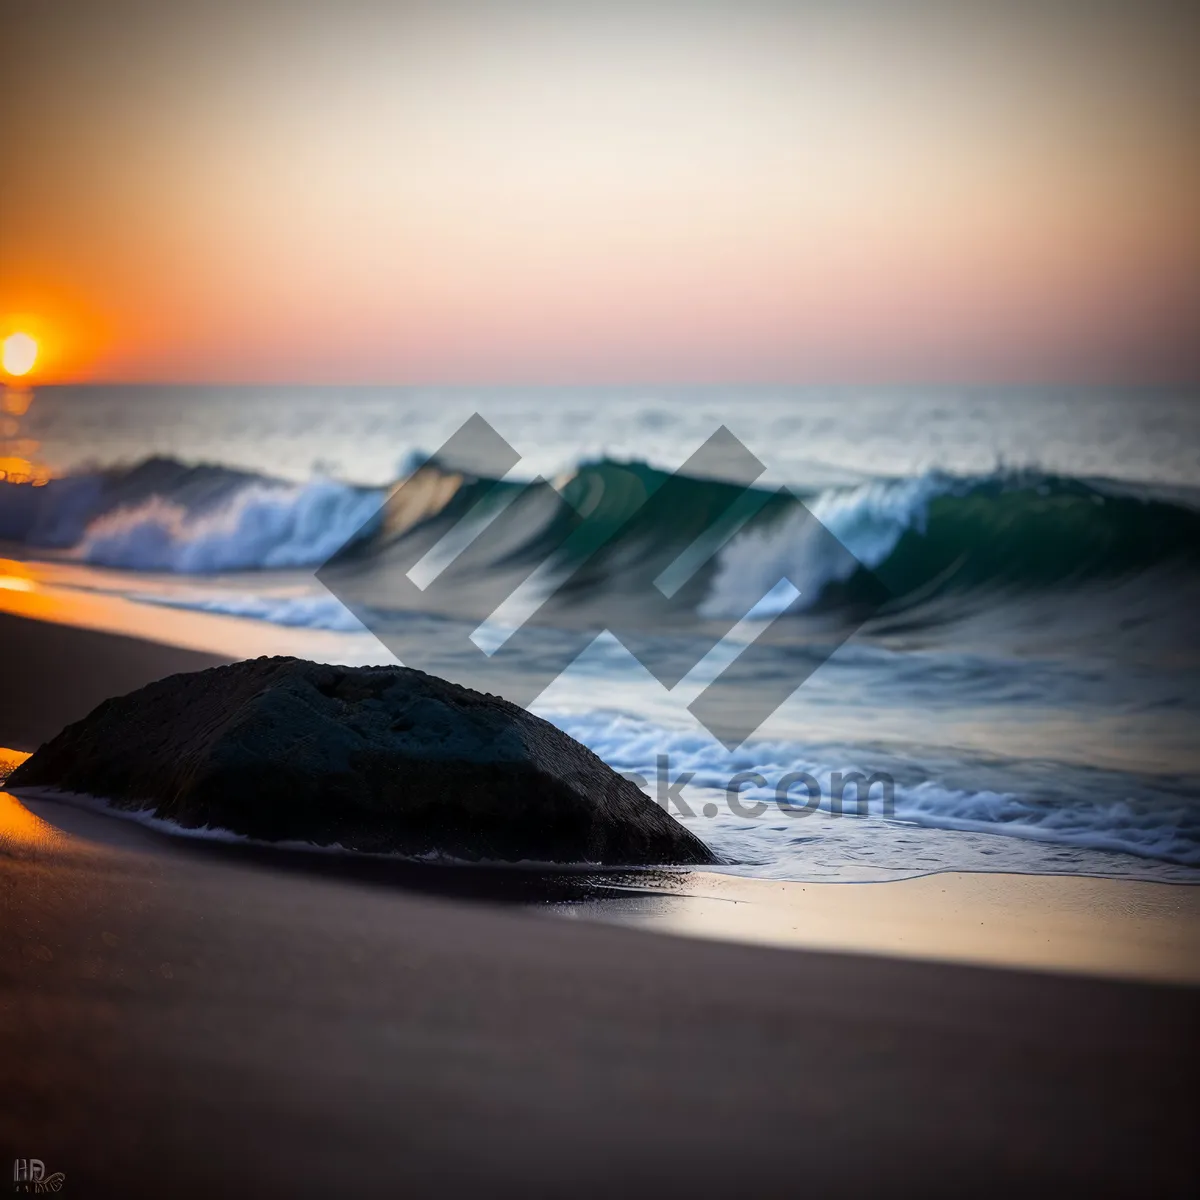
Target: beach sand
55	674
187	1018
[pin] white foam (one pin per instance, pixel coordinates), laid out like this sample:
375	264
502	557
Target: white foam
775	842
259	525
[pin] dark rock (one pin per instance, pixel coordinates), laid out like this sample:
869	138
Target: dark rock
380	759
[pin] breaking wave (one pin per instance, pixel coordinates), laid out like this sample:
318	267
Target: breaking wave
164	516
1017	531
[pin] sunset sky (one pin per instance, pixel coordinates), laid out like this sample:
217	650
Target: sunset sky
569	193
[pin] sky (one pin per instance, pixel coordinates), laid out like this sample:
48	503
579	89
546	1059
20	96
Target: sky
576	193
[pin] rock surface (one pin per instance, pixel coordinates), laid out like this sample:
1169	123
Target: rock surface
381	759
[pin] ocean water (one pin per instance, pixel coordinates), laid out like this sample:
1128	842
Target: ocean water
992	614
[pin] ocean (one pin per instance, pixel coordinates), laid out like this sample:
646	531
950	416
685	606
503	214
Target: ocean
982	603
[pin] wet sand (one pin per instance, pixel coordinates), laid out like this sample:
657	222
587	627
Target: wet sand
1117	928
185	1019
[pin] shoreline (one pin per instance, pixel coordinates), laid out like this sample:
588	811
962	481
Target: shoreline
1069	923
1058	924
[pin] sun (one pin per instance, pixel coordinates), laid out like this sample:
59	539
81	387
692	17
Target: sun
20	353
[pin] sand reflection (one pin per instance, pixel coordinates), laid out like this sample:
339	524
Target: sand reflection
21	830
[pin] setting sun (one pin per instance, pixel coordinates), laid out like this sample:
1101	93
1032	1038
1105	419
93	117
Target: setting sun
20	353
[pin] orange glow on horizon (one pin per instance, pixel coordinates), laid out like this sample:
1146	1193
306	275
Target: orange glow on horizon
69	339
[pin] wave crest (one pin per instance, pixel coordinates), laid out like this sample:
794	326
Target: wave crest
930	533
939	532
